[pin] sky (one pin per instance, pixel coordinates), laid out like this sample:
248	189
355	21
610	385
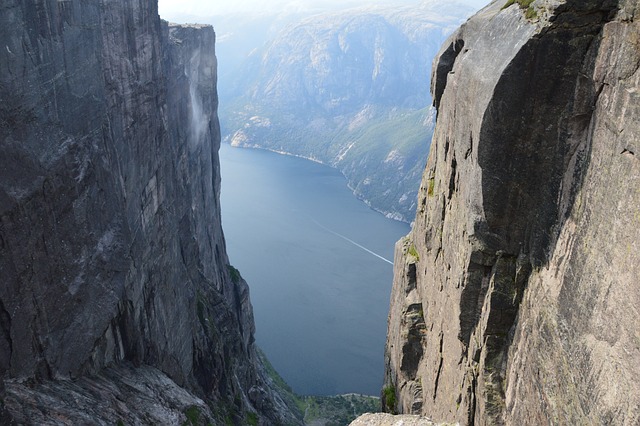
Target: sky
169	8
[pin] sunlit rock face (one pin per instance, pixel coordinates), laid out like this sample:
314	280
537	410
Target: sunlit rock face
515	291
111	249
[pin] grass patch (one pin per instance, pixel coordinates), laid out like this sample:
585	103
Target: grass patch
432	185
414	252
235	274
252	419
524	4
193	415
531	13
389	396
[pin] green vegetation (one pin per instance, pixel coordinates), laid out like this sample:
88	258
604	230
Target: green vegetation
273	374
292	400
414	252
337	410
383	159
524	4
119	423
389	395
235	274
432	184
531	13
193	415
252	419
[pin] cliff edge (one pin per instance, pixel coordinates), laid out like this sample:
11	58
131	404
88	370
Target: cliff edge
117	301
515	295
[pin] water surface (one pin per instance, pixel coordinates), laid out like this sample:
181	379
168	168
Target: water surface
318	262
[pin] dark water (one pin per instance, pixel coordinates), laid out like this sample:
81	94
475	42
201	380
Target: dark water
313	256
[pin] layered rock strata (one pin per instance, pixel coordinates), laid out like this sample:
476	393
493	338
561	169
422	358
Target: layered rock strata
111	250
515	295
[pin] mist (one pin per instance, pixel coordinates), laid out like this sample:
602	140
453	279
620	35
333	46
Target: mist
176	10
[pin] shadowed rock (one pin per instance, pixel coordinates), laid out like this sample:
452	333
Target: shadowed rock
111	249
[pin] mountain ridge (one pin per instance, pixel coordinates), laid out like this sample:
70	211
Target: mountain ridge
317	87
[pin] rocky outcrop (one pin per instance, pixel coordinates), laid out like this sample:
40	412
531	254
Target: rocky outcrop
111	249
514	297
380	419
117	395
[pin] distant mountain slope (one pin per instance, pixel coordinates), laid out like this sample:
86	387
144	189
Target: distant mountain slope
349	89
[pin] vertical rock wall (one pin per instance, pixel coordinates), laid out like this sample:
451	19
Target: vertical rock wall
514	294
111	248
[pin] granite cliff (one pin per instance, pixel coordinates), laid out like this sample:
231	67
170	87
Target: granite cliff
117	300
515	297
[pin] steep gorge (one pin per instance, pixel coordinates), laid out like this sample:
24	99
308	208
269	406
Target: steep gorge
117	301
515	296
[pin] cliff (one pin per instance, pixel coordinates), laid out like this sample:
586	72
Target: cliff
116	292
515	295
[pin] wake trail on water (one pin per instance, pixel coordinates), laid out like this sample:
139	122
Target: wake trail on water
351	241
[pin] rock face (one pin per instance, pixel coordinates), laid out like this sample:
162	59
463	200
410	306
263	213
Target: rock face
379	419
515	295
111	249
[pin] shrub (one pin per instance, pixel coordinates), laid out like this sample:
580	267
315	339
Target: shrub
193	415
389	398
252	419
432	185
414	252
235	274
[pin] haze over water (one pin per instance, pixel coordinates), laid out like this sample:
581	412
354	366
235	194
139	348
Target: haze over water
317	261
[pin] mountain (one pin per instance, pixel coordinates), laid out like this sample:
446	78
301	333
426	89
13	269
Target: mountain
118	304
349	89
515	294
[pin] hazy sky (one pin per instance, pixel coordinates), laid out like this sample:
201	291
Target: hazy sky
169	8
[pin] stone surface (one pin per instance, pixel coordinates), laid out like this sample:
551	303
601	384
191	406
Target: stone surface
381	419
111	248
133	396
514	299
